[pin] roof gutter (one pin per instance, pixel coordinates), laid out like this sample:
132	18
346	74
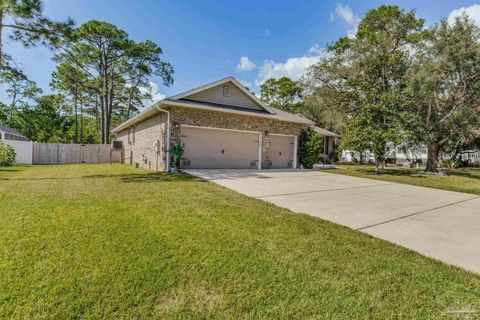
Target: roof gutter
167	168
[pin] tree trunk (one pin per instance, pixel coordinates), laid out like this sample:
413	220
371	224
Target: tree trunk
81	120
432	157
97	118
1	39
76	117
102	120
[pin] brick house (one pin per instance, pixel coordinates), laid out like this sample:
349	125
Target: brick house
222	125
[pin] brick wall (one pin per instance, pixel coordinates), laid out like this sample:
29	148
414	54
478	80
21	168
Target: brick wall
223	120
141	147
141	151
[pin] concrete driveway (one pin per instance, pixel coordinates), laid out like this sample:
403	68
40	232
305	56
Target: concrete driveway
440	224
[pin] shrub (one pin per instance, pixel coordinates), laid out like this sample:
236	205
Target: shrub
7	155
310	145
177	153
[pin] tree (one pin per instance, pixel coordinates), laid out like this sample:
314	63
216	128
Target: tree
115	68
71	81
48	120
19	91
369	131
28	25
283	93
366	76
310	145
445	87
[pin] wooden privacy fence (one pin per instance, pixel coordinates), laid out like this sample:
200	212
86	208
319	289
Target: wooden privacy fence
59	153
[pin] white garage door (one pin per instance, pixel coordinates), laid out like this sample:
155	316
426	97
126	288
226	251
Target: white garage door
207	148
282	151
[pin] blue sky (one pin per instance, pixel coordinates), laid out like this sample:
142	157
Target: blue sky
208	40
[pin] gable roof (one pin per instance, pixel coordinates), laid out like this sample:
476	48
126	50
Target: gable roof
186	94
181	100
9	130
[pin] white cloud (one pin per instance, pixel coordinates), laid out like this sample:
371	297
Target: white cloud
245	65
316	49
293	68
345	13
246	84
153	89
473	12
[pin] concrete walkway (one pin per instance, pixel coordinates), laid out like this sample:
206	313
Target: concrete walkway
440	224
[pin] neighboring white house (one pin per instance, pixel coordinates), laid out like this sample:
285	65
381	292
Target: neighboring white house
393	154
404	153
472	156
23	147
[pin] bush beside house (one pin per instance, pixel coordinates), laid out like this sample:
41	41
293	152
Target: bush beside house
7	155
310	146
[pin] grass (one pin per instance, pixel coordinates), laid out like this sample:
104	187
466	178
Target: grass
461	180
113	242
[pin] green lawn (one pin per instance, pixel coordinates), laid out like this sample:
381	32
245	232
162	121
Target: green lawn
102	241
460	180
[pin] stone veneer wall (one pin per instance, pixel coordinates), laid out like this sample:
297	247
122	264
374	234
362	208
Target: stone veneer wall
142	149
223	120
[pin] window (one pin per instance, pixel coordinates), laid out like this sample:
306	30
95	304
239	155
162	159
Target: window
129	138
226	91
9	136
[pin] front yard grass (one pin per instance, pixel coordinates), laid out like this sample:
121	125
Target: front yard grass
113	242
461	180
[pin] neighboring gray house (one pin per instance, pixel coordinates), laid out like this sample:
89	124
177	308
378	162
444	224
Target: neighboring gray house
7	133
222	125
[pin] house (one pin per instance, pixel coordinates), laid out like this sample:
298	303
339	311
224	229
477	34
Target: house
329	144
23	147
221	124
7	133
402	153
470	156
395	154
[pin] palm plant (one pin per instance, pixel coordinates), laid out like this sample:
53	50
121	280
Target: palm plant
177	152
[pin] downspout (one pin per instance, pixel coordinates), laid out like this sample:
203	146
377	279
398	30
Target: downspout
167	169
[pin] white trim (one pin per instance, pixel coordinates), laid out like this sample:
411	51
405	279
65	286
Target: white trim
167	167
281	135
148	113
295	147
260	149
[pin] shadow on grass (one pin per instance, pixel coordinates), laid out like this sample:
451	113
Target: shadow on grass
465	174
125	178
149	177
8	169
412	173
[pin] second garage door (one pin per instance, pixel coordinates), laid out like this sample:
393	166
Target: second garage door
207	148
282	152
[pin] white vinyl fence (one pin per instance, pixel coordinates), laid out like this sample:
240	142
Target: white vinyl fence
23	150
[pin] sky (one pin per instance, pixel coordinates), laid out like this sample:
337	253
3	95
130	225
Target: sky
208	40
